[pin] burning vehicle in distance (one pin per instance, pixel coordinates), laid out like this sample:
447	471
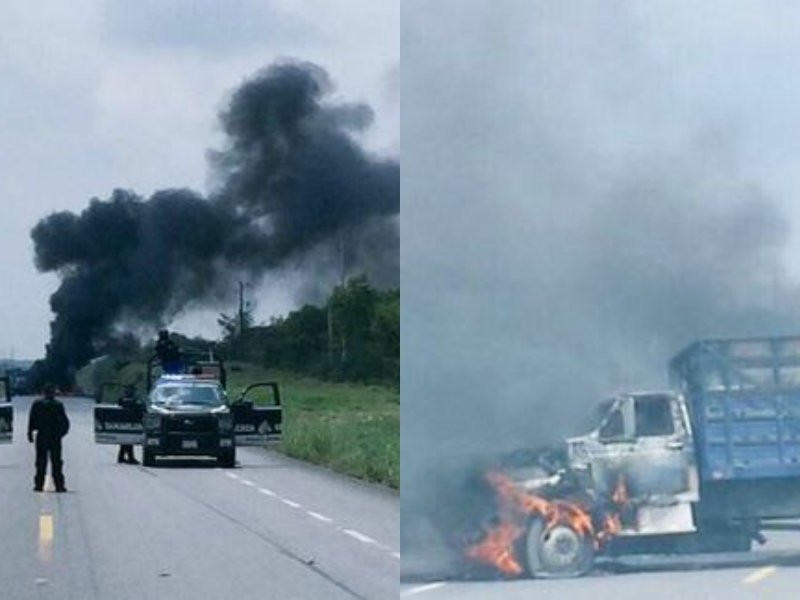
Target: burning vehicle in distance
18	381
189	414
704	468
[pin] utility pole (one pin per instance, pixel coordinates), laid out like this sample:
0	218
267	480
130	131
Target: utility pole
342	267
241	308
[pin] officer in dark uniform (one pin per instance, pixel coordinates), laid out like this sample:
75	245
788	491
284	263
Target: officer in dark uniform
168	353
128	400
50	422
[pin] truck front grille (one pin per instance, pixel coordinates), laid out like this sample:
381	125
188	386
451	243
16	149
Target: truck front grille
191	424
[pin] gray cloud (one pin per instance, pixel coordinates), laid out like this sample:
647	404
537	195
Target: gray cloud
202	26
97	95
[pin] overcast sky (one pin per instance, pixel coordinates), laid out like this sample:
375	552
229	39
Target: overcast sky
587	187
98	95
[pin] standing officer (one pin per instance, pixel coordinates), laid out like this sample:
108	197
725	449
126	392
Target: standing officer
168	353
128	401
50	422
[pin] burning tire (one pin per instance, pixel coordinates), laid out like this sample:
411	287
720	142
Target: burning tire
557	551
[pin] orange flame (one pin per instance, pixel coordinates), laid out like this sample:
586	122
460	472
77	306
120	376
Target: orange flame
517	506
497	549
620	495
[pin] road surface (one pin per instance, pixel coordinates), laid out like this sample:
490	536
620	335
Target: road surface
270	528
771	571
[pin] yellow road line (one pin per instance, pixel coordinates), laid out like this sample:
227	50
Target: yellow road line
759	575
45	528
46	535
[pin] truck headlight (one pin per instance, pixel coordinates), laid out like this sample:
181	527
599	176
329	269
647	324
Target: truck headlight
225	423
152	421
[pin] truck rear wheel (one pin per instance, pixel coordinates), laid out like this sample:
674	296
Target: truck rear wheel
148	458
557	552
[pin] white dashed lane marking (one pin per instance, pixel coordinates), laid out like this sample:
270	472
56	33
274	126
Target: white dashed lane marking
319	517
352	533
424	588
360	536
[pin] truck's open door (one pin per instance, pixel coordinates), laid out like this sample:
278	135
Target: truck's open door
114	424
258	415
118	425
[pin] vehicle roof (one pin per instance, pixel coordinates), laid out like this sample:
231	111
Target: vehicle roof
650	394
187	379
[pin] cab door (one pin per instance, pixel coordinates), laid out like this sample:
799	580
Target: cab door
258	415
6	423
118	425
646	445
663	462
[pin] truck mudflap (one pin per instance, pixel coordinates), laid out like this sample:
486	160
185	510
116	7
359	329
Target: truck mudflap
118	425
6	423
256	425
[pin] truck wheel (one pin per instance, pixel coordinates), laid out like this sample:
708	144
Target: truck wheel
148	458
227	458
557	552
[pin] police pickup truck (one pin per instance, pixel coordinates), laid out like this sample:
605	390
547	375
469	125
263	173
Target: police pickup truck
190	414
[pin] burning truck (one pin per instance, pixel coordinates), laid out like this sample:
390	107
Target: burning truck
706	467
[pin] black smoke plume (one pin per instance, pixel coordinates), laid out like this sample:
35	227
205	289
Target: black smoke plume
292	188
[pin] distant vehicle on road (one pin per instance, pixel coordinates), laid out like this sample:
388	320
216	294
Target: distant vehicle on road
6	413
18	382
190	414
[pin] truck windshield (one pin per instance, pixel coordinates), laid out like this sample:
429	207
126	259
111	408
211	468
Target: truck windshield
179	395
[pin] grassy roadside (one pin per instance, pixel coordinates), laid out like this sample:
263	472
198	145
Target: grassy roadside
351	428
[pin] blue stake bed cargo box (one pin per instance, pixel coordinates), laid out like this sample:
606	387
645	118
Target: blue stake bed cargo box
744	398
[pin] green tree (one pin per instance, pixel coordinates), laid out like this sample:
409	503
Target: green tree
352	307
359	323
385	335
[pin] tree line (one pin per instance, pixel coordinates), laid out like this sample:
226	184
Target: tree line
354	336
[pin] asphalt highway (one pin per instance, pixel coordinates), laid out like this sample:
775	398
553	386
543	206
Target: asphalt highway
271	528
770	571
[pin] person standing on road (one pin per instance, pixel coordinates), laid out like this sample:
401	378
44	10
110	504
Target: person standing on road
50	422
128	401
